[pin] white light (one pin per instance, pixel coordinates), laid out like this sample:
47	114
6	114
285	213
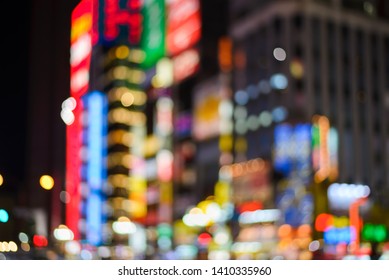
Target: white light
246	247
260	216
79	80
342	195
226	109
23	237
69	103
213	211
123	227
73	247
62	233
219	255
67	107
221	238
265	118
314	246
240	112
80	49
104	252
86	255
196	220
67	116
279	54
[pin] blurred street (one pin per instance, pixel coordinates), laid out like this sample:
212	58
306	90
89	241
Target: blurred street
196	130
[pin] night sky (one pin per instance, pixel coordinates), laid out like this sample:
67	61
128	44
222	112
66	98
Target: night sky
13	110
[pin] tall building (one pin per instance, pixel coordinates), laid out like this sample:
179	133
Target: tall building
318	58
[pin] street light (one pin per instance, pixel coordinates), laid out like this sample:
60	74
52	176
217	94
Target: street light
46	182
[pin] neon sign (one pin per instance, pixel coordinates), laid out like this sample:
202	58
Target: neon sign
115	18
183	25
80	56
96	173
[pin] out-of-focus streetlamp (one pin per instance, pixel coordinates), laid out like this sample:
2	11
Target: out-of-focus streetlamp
46	182
63	235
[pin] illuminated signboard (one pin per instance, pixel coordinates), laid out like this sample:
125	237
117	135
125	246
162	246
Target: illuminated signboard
282	136
120	22
183	25
339	235
73	168
81	48
96	173
153	34
292	148
324	149
206	119
80	56
341	196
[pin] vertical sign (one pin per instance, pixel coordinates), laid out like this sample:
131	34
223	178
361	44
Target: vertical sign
80	56
153	34
183	25
96	172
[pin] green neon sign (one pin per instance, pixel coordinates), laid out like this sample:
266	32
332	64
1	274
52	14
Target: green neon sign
154	34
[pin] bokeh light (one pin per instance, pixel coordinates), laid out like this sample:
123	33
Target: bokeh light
4	216
46	182
279	54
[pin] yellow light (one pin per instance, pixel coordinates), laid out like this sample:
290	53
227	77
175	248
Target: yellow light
127	99
1	180
225	143
122	52
46	182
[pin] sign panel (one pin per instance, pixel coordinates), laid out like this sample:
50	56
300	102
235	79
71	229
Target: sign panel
96	169
153	34
183	25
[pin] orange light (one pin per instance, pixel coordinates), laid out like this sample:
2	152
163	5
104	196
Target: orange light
285	231
304	231
250	206
323	221
355	221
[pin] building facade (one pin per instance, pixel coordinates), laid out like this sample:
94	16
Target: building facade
320	58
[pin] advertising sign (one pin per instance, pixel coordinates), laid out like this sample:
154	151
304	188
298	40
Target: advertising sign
183	25
153	34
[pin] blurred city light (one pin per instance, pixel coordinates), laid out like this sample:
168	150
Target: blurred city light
267	142
123	226
63	233
279	54
46	182
4	216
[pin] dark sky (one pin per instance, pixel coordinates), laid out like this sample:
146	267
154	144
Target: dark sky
14	91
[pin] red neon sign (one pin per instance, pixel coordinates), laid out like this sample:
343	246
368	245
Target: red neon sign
114	17
81	49
183	25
